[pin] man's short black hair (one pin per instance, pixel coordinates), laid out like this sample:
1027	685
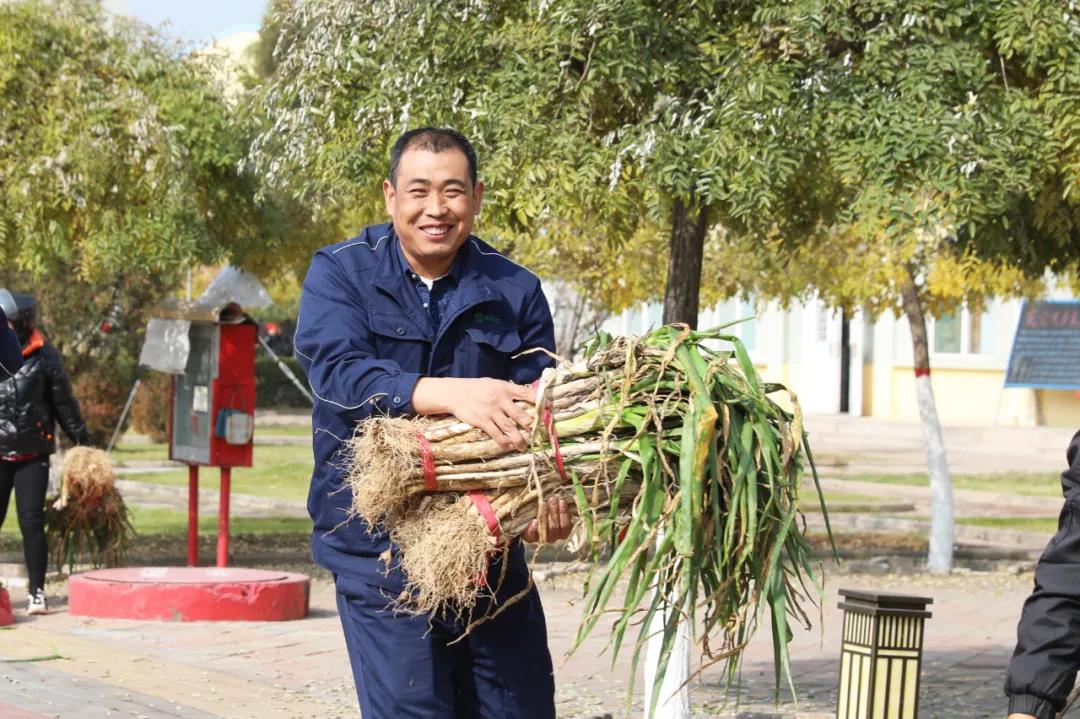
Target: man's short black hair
432	139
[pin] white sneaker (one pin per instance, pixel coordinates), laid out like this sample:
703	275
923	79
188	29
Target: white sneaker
36	604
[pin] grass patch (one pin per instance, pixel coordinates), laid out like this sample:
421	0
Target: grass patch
279	471
283	430
1038	525
157	520
129	450
842	502
1028	484
832	498
138	447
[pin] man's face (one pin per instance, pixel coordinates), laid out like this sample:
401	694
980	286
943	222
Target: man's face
433	205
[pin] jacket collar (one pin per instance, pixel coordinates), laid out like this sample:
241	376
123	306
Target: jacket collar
474	282
454	273
36	342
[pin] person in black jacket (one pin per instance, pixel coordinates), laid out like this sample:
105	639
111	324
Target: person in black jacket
32	402
1047	656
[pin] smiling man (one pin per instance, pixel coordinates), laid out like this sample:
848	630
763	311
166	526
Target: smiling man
419	317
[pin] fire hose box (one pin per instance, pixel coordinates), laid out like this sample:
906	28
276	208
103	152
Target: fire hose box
213	401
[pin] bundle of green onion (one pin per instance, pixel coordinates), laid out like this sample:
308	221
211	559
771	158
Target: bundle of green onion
684	474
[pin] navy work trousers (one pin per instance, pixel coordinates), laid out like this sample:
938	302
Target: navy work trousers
408	666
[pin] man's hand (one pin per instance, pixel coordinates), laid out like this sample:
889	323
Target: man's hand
487	404
1022	716
557	523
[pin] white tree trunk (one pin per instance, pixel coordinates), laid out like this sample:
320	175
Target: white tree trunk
940	559
941	500
673	702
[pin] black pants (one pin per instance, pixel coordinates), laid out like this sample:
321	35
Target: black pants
30	479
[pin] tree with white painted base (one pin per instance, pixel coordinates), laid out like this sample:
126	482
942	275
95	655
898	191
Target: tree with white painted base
940	556
942	170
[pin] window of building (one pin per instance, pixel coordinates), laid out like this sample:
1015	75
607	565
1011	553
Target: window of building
986	334
962	333
947	334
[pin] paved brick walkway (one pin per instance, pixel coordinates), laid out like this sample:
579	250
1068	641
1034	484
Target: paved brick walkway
872	446
64	666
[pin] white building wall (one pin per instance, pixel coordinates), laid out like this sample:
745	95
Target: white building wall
968	382
800	347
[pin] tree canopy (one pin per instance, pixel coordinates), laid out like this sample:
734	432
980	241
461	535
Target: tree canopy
942	137
119	168
119	151
598	123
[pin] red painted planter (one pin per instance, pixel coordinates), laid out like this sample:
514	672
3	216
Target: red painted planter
6	615
189	594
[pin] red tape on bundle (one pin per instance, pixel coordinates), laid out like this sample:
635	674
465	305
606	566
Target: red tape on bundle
549	425
428	461
922	371
483	506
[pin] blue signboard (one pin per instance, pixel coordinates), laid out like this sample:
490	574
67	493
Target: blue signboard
1046	348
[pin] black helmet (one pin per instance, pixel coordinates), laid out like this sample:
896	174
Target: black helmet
20	310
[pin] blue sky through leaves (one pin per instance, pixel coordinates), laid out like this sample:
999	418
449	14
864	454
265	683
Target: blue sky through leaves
195	21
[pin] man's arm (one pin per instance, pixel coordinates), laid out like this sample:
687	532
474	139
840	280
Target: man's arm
334	346
1044	664
11	358
489	404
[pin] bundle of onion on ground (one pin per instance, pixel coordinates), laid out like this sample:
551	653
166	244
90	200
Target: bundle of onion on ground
88	521
684	475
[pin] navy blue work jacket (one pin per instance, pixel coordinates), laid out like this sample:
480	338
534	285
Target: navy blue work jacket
364	340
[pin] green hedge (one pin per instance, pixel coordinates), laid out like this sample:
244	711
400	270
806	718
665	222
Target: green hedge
273	389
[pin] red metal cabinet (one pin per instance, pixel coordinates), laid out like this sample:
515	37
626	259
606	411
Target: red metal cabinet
212	418
213	402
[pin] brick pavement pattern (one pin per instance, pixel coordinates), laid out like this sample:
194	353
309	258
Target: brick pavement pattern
64	666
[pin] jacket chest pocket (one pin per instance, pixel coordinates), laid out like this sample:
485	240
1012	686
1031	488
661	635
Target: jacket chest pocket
396	337
486	351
